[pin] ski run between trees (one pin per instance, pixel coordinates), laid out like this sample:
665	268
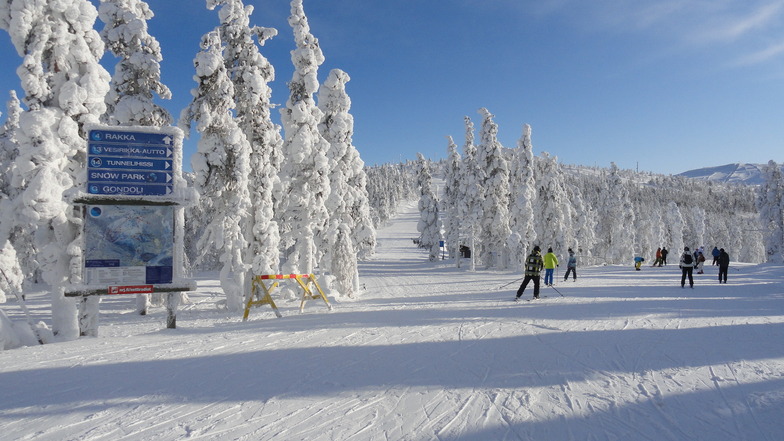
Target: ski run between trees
428	352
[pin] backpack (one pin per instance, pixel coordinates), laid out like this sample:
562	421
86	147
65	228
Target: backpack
687	259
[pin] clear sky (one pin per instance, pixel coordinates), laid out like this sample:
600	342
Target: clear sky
660	85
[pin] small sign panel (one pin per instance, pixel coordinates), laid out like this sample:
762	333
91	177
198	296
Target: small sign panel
132	289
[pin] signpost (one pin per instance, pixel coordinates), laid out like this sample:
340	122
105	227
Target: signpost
132	206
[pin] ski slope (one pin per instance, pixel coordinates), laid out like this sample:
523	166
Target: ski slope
427	352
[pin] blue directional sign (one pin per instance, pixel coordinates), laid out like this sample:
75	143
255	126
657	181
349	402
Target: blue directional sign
130	163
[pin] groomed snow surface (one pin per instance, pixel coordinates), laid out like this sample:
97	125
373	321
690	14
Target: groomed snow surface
427	352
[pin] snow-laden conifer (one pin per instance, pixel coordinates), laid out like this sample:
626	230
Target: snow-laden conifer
9	145
523	195
495	205
770	203
472	192
137	76
451	200
64	87
429	225
554	207
11	276
616	220
584	223
220	166
251	73
304	172
673	231
348	198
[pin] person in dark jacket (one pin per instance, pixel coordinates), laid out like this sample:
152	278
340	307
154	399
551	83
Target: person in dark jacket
664	256
724	265
571	266
533	268
715	253
687	268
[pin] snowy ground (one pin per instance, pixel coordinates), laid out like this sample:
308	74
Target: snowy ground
428	352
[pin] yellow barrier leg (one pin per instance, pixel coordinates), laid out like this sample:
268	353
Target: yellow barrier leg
266	299
307	293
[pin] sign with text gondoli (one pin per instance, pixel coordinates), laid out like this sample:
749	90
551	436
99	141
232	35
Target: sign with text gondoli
129	163
130	289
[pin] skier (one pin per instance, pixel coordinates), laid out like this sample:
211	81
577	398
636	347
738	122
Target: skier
658	261
700	262
550	262
724	265
571	266
687	267
533	268
664	256
638	260
715	253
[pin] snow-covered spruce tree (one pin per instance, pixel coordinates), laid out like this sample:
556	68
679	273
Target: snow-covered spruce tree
348	198
64	87
472	190
673	230
495	205
429	225
304	173
523	195
137	76
11	276
616	220
770	203
554	207
451	200
9	144
221	166
648	228
250	73
584	222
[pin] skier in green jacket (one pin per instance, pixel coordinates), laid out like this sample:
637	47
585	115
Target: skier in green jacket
533	268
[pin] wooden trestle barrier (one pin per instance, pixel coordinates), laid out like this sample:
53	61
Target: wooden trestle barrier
257	299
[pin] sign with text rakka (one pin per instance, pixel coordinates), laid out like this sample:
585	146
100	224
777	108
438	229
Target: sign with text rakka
129	163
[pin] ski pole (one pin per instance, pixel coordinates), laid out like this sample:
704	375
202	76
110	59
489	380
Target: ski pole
559	292
513	281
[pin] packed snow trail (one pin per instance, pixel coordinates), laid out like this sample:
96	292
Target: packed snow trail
427	352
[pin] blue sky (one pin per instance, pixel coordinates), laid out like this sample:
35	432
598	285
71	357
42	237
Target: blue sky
662	85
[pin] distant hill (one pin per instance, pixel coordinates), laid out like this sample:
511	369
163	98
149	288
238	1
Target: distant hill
750	174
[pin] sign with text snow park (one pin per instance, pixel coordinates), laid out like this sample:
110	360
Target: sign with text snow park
128	244
129	163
